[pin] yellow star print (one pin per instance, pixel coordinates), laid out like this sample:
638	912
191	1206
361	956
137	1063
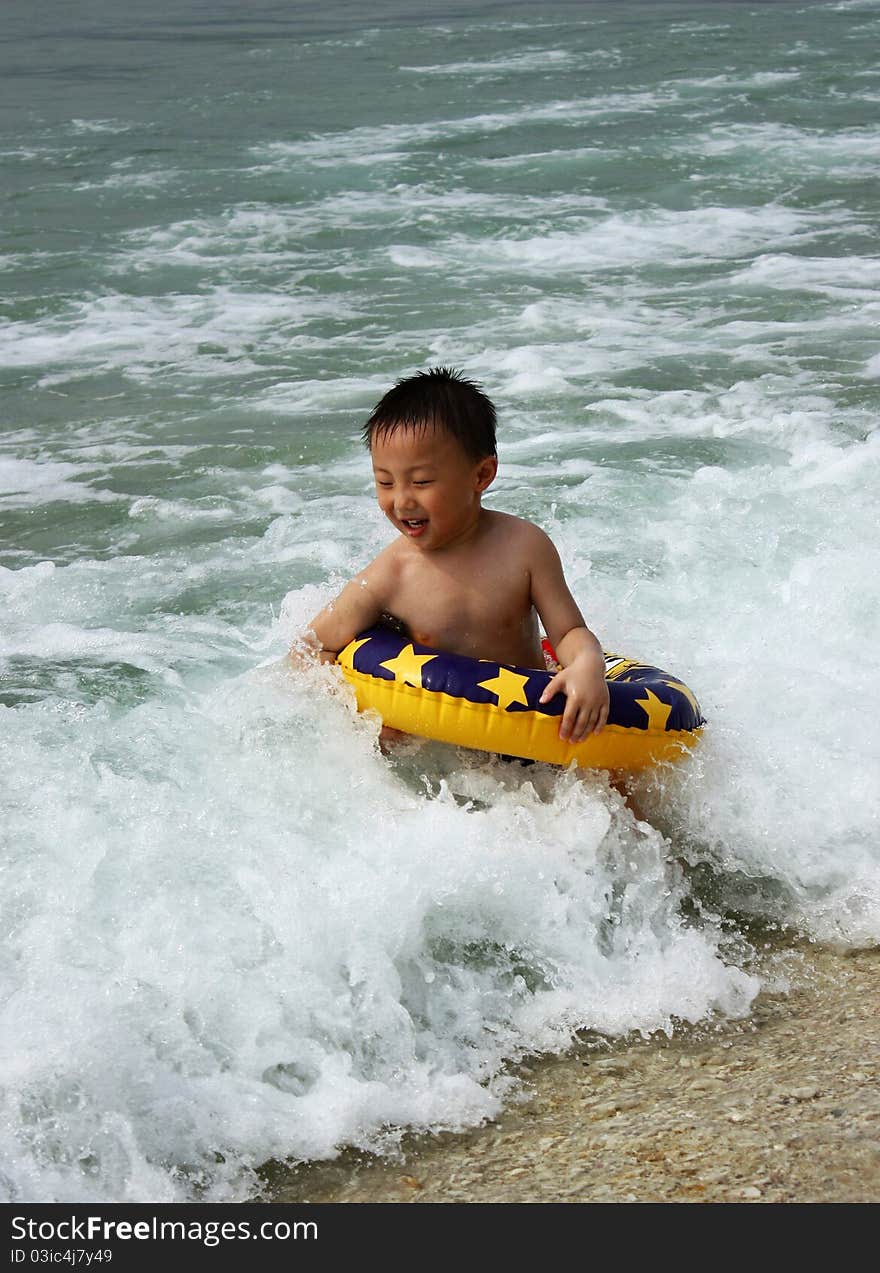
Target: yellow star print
683	689
508	687
407	666
655	709
346	656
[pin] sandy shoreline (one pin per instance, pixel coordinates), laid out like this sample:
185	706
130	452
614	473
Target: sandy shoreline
781	1107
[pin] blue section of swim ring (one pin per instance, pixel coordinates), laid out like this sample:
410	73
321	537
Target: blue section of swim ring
460	677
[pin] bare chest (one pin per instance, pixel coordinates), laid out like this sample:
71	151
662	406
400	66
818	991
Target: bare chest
476	608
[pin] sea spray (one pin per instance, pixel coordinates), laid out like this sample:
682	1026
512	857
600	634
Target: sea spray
284	945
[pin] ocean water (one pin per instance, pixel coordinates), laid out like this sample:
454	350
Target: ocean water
233	932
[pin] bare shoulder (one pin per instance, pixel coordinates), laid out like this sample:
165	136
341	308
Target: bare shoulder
381	571
525	537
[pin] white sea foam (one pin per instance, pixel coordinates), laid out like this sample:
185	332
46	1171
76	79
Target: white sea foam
367	140
149	507
62	641
795	613
408	940
782	798
700	234
803	149
756	80
575	154
266	236
528	60
853	277
338	393
23	152
86	126
697	28
217	333
27	483
152	179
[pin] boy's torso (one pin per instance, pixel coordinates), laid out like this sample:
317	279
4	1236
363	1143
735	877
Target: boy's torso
474	599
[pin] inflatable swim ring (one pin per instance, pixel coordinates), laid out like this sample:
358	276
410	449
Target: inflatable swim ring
494	707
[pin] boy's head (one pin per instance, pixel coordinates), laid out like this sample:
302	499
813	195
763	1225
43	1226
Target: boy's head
432	443
442	399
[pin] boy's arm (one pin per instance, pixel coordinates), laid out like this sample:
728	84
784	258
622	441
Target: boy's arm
358	606
582	679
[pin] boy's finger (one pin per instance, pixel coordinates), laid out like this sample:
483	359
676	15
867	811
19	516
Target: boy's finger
569	719
584	725
593	722
551	690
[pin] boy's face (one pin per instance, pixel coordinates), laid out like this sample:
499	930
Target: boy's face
427	486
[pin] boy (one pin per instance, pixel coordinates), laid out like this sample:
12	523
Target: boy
460	577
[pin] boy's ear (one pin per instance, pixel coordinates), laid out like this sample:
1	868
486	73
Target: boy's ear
486	470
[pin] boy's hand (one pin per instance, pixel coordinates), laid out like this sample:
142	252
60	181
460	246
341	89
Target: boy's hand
586	698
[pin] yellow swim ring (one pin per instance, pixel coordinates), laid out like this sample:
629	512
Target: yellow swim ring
494	707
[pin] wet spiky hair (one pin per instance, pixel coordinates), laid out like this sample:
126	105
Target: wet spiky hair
438	398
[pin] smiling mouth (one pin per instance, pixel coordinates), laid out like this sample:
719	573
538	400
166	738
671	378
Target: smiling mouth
414	524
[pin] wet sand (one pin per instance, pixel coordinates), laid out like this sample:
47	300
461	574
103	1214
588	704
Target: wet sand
783	1106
